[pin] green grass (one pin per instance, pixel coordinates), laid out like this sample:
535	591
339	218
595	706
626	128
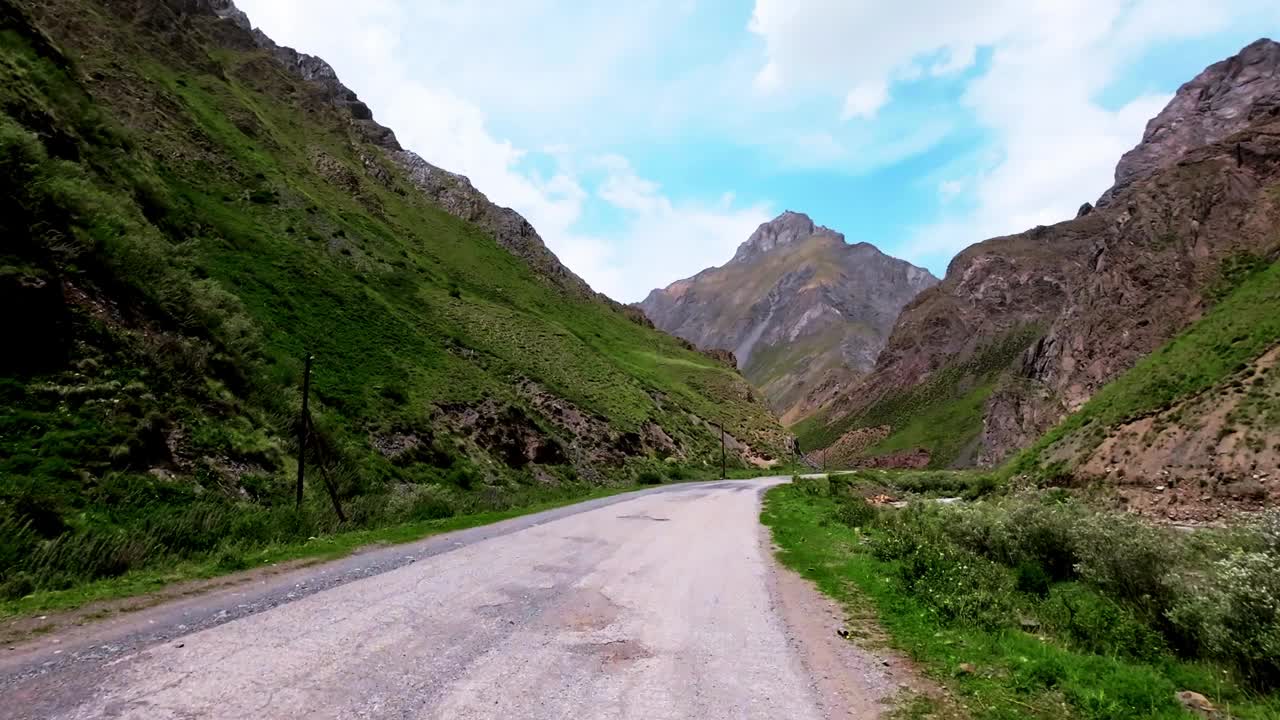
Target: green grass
945	428
321	548
943	414
1018	674
1238	329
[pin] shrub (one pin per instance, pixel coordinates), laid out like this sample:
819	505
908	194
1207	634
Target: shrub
649	476
819	486
958	585
430	505
1127	560
1098	624
679	472
1045	672
463	476
854	512
1030	577
1233	614
1032	531
1267	528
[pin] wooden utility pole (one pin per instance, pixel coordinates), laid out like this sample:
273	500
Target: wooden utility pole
723	473
303	424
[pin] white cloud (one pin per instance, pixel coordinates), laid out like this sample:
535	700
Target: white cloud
662	240
1037	95
948	189
865	100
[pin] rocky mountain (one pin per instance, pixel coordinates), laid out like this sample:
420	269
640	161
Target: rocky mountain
1026	329
189	210
797	305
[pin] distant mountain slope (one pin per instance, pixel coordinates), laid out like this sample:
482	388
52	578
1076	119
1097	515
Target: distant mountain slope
189	209
798	306
1025	329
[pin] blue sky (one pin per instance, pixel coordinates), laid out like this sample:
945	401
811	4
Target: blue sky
646	140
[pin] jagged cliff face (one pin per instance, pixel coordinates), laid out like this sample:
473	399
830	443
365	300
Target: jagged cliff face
1024	329
1226	98
797	305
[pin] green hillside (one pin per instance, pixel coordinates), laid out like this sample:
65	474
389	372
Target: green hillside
183	222
1213	365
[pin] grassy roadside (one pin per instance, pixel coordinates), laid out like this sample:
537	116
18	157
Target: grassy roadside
1020	663
320	549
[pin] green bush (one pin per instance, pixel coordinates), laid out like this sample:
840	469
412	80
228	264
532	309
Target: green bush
819	486
1046	672
1128	560
1025	531
854	512
1030	577
429	504
957	585
1233	614
649	476
1098	624
679	472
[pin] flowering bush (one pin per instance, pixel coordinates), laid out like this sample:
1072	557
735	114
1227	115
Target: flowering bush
1233	612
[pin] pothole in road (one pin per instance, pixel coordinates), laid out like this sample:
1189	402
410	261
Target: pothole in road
643	517
614	652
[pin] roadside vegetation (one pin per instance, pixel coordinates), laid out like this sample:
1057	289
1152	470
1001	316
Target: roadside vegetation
72	566
1035	605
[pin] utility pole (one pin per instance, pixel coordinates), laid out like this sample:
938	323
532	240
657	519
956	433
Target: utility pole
723	473
302	429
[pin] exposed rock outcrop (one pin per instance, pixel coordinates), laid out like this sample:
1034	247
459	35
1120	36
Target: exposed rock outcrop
797	305
1225	98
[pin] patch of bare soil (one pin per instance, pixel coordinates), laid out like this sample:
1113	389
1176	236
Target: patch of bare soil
1202	460
855	673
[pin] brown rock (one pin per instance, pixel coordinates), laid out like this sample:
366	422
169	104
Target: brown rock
1196	703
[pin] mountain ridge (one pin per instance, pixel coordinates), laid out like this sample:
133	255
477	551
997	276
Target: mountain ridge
797	305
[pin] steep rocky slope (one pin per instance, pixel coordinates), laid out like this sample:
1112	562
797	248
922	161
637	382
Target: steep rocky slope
797	305
1025	329
189	209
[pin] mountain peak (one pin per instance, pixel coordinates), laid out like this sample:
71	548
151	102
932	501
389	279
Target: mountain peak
1223	99
785	229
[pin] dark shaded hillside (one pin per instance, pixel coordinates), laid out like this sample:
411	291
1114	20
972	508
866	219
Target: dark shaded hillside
1025	329
185	215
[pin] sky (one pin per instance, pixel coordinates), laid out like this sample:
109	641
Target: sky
646	140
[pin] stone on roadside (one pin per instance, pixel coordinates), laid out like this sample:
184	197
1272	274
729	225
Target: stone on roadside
1196	703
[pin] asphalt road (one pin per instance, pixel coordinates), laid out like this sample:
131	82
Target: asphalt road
655	605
